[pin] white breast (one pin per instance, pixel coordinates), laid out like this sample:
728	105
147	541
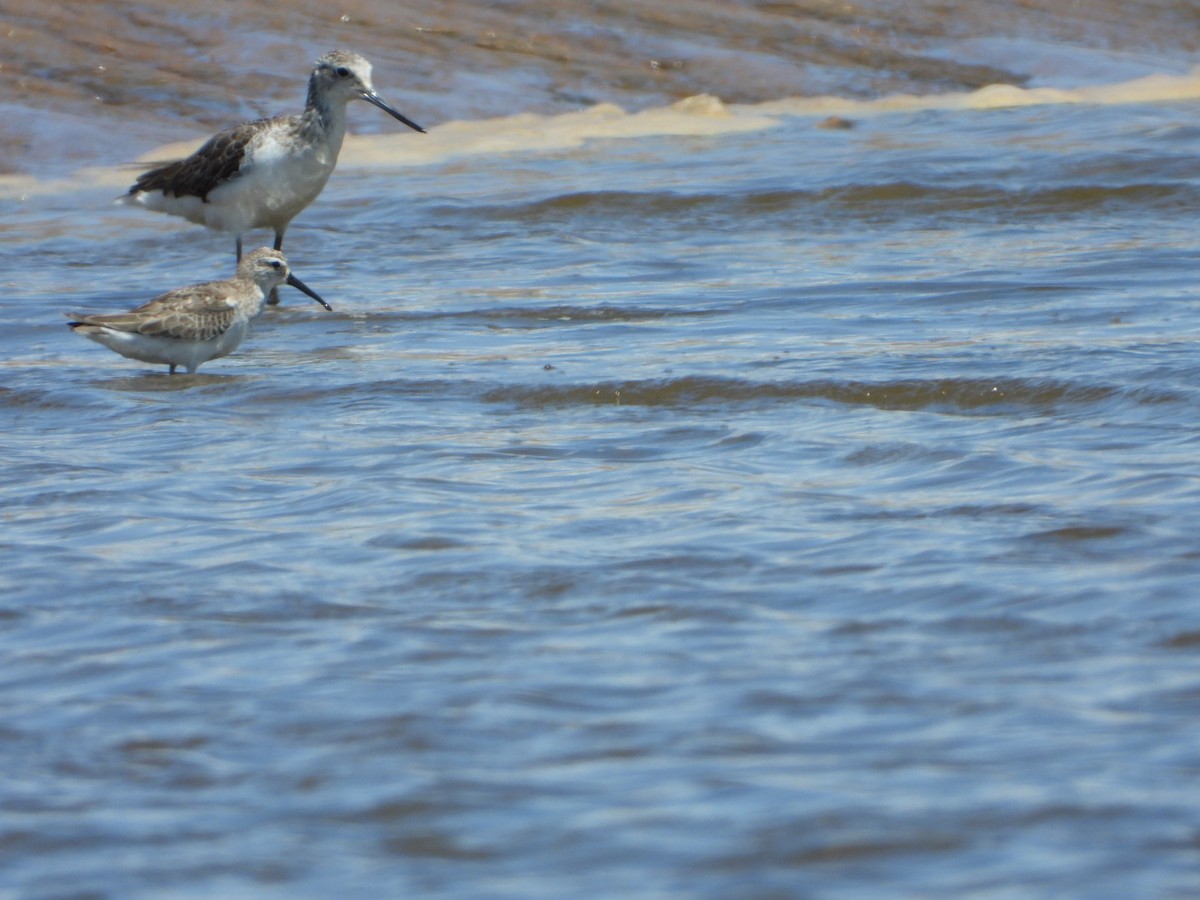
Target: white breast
280	178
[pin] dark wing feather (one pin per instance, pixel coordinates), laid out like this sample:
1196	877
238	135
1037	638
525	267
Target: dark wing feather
218	161
196	313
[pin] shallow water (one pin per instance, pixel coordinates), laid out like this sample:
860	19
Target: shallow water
680	501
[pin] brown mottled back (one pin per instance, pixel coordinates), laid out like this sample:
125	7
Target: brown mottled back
214	164
197	313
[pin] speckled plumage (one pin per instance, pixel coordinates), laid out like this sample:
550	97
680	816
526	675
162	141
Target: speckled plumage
191	325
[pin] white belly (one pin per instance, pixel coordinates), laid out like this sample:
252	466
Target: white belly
170	351
273	188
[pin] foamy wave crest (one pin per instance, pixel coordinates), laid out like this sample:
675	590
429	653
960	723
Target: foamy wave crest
708	115
1158	88
702	115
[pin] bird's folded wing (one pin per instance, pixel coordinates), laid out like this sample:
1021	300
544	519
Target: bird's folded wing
197	313
218	161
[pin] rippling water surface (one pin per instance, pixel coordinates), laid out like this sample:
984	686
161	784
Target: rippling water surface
680	501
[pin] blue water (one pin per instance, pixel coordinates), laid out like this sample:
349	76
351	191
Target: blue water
799	512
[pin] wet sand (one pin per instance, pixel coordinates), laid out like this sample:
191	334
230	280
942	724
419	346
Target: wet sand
101	82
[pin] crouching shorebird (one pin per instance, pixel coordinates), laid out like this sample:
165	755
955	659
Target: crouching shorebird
191	325
261	174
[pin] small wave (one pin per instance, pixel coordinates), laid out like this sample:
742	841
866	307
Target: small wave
952	395
529	317
886	200
1056	199
581	315
22	398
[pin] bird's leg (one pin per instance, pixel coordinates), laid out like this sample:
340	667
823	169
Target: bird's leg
274	298
172	369
239	248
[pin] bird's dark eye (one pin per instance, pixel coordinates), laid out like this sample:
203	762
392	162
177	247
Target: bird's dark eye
275	264
342	72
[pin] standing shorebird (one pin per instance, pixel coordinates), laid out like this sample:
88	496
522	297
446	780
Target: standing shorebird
261	174
191	325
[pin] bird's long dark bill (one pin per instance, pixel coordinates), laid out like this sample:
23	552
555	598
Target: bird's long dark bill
376	100
301	286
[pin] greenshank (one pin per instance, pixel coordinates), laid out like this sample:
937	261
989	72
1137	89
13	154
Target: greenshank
261	174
